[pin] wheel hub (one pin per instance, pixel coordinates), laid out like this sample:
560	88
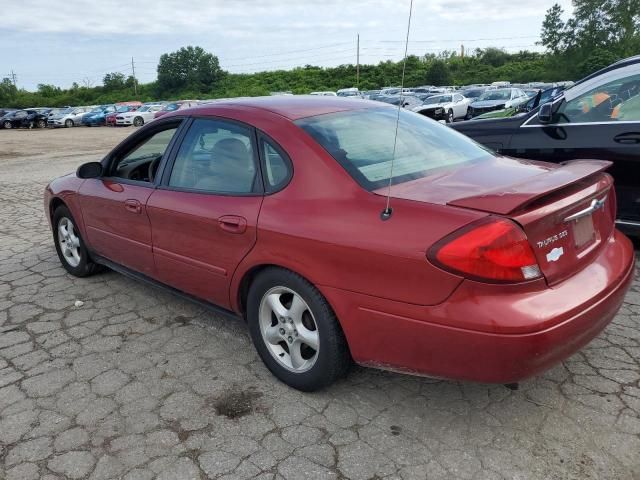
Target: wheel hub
289	329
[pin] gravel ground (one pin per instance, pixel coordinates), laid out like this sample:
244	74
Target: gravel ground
138	384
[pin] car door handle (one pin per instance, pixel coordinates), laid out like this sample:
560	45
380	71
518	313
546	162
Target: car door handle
233	223
133	206
630	138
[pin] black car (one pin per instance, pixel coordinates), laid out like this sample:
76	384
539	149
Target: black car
25	119
597	118
5	111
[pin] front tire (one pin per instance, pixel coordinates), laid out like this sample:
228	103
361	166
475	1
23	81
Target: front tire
68	123
70	247
7	125
450	116
138	122
295	331
41	124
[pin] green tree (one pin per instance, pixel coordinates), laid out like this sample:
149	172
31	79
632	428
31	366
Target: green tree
114	81
438	74
190	68
553	33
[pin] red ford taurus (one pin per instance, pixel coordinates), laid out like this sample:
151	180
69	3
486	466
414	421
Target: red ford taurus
484	268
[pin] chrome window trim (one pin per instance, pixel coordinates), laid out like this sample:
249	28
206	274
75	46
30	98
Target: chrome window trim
621	122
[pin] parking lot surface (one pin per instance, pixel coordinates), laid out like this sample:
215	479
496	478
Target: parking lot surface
135	383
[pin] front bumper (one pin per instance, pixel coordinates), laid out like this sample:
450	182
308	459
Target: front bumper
436	114
489	333
475	111
124	121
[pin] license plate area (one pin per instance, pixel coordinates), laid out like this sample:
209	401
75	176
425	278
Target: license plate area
583	231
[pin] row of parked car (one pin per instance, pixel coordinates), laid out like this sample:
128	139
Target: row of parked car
118	114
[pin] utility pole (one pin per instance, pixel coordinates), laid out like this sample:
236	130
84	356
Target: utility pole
461	51
13	77
135	82
358	61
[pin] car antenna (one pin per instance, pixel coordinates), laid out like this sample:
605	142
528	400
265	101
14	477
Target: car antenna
386	213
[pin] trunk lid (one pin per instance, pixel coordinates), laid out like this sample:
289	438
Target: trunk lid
567	210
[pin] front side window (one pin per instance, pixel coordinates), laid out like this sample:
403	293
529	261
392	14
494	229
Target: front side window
362	142
216	157
141	162
613	101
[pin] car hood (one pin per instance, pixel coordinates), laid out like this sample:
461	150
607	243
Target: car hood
488	103
433	105
498	185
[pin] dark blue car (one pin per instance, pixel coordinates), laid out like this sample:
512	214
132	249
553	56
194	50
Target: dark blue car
97	116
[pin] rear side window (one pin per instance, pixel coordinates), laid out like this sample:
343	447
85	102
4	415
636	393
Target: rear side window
277	166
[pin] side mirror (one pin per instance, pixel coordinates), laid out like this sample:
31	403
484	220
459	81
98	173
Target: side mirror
545	115
89	170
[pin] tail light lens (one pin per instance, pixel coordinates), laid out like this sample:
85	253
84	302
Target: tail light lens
496	250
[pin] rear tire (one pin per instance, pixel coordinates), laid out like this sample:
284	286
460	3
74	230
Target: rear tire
7	125
468	115
302	344
41	124
138	122
68	123
70	246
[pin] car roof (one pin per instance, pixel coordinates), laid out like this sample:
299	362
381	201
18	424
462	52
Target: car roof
292	107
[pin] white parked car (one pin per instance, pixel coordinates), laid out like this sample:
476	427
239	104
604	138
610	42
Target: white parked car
446	107
324	94
138	117
69	117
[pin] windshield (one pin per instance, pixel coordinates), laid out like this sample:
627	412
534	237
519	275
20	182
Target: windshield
97	110
123	108
65	111
473	93
438	99
362	142
496	95
171	107
144	109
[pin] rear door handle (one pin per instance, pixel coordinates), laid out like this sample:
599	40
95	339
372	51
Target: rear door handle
233	223
630	138
133	206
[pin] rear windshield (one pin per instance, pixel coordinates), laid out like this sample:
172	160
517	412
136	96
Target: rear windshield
362	142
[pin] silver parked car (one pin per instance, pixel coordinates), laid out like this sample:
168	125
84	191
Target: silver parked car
69	117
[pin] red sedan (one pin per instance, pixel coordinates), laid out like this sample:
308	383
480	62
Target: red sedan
484	268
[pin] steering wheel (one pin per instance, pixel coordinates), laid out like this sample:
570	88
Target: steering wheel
153	167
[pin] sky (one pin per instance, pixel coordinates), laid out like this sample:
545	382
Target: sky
61	42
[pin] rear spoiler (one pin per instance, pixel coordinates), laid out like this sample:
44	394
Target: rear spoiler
505	201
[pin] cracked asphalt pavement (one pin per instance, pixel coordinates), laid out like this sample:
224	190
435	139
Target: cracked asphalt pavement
138	384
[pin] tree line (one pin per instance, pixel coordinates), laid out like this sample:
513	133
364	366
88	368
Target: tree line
597	34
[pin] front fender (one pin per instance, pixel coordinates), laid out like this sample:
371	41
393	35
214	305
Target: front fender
65	189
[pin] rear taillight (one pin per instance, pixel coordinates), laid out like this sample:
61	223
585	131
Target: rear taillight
495	250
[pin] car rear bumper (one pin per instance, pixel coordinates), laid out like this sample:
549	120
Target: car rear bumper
519	333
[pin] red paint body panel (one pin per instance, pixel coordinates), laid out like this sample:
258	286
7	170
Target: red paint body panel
397	309
116	222
193	252
483	333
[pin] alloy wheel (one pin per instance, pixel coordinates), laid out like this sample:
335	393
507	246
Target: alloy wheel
68	123
69	242
7	125
289	329
138	122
